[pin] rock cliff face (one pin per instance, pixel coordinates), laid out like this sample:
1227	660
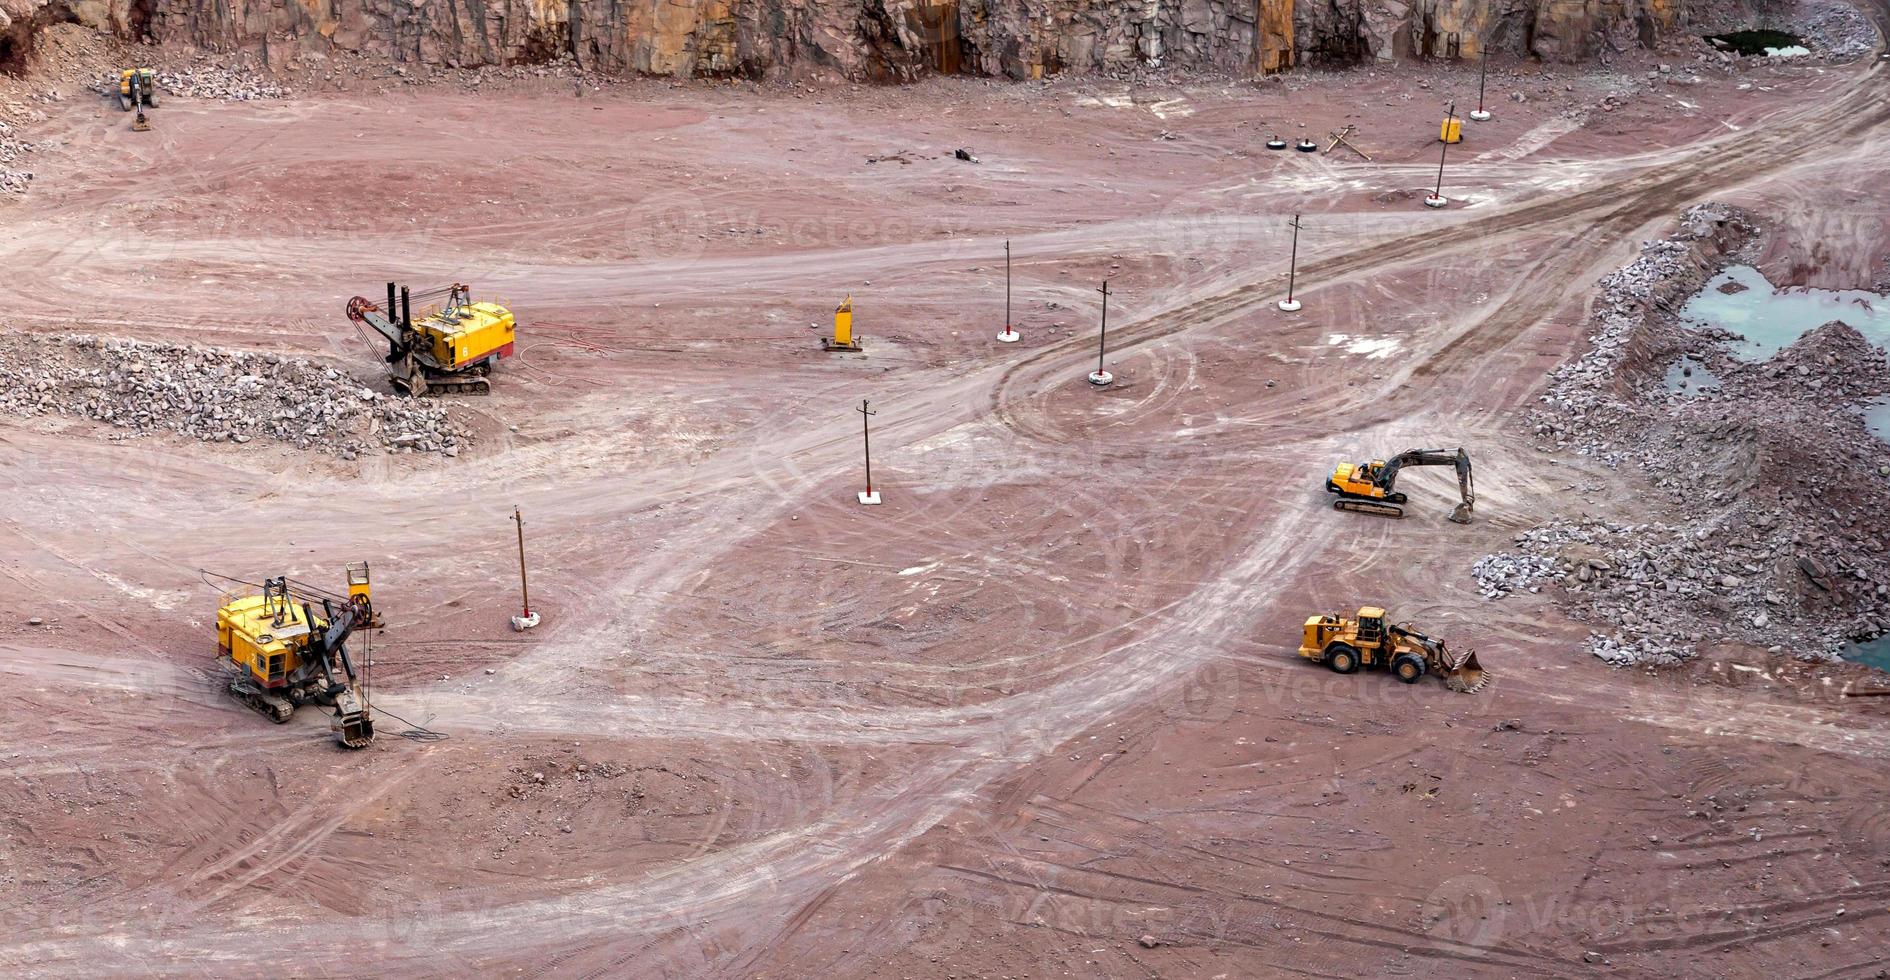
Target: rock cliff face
879	39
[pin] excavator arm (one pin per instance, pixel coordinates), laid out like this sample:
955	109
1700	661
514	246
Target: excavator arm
352	725
1466	486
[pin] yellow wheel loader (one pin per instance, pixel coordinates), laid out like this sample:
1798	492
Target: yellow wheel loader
280	653
1371	487
1345	645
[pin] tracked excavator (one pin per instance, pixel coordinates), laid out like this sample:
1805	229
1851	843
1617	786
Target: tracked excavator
1345	645
1371	487
281	653
137	89
451	348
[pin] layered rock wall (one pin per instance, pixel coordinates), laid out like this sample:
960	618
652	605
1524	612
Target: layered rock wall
883	39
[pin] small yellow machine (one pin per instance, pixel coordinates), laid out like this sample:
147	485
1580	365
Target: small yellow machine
1371	487
452	347
280	653
1345	645
1451	130
843	338
137	89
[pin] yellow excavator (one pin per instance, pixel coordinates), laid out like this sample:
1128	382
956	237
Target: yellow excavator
287	646
1345	645
1371	487
137	89
452	347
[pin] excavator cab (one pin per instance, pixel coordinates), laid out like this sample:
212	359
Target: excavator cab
137	88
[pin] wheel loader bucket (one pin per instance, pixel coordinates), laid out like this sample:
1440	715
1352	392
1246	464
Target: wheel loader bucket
1465	676
1461	515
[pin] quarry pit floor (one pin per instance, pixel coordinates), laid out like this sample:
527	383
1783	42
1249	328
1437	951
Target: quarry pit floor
1038	714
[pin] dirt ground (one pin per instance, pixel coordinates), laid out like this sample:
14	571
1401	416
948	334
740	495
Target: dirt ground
1038	714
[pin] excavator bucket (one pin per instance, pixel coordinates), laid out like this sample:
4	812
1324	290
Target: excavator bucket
1461	515
353	727
1466	675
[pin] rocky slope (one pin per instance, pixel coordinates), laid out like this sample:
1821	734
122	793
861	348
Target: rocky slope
1772	533
869	39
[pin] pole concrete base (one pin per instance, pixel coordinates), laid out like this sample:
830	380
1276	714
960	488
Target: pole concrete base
522	623
1480	115
1009	336
869	498
1100	378
1290	305
1434	201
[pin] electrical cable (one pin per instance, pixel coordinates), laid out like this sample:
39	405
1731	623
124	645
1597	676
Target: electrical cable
418	733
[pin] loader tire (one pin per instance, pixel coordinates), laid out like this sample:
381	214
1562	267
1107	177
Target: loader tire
1342	658
1409	668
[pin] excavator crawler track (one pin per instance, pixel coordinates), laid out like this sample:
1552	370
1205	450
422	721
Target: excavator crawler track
274	708
1377	507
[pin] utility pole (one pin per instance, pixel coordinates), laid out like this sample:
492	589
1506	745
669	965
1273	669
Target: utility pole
1289	304
870	496
1009	336
1481	114
1437	200
529	619
1102	377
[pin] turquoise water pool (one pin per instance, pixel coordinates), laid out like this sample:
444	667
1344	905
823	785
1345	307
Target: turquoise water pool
1877	417
1872	653
1770	318
1690	376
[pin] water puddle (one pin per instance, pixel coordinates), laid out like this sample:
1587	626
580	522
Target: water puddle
1870	653
1877	417
1741	300
1690	376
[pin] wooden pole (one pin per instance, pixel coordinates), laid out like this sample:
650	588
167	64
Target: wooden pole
866	442
524	590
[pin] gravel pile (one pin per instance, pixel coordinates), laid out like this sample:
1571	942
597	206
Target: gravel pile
1772	532
213	82
1838	31
216	395
13	151
1660	589
206	82
1505	575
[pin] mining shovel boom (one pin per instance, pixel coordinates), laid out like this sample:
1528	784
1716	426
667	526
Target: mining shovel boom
1371	487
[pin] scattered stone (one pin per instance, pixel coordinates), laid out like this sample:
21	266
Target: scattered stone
214	395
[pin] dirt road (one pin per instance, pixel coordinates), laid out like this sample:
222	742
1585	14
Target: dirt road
1036	715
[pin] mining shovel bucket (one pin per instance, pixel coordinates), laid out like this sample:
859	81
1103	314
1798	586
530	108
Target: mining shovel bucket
1465	676
1462	514
352	725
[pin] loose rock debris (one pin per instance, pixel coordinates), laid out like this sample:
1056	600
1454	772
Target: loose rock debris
216	395
1776	489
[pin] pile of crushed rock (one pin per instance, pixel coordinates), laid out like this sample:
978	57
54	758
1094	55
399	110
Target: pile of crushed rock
1772	529
13	150
216	395
216	82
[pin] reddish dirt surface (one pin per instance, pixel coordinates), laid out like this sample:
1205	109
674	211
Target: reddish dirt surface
1039	713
